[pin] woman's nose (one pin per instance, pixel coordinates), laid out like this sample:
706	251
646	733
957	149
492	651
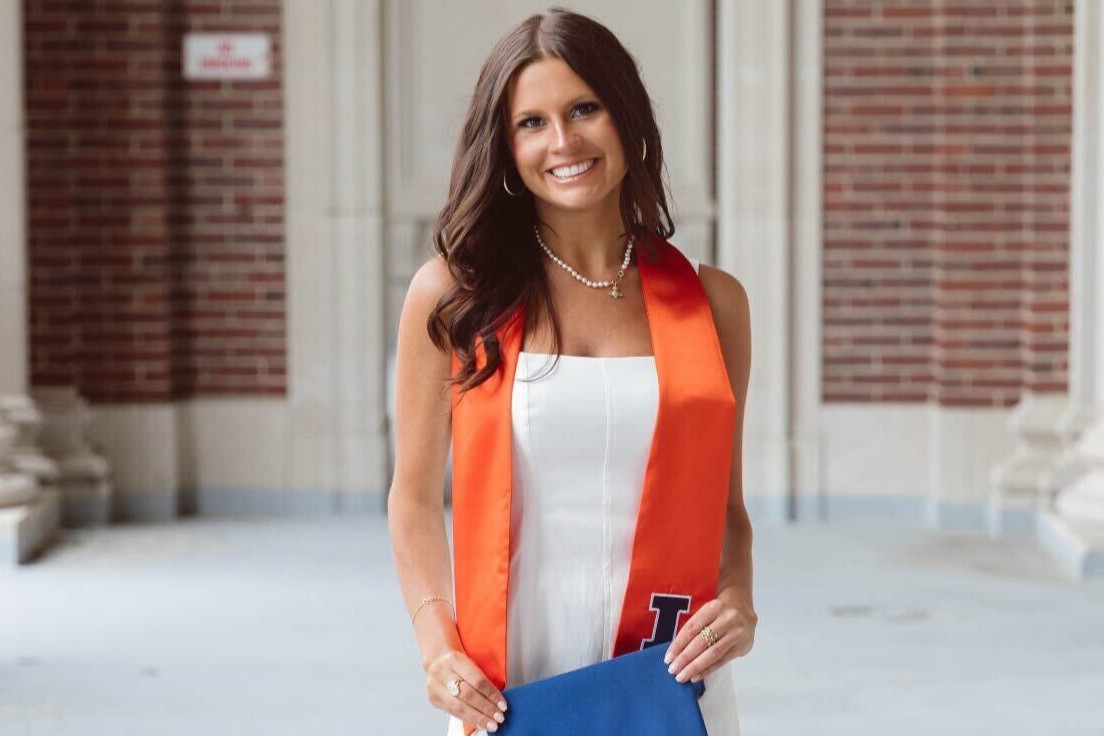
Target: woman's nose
564	139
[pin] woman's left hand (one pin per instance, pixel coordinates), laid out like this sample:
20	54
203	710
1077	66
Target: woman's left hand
734	627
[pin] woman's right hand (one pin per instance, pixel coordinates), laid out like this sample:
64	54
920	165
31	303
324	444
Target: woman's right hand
479	703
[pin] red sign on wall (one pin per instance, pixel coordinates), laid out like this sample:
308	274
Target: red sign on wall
227	55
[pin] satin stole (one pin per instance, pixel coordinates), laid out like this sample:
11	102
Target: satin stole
676	549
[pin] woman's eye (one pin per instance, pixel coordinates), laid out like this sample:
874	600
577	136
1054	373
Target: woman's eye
586	107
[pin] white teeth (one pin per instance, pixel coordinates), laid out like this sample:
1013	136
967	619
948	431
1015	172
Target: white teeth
566	172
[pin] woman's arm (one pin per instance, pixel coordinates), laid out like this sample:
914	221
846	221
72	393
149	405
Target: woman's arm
415	504
732	316
731	615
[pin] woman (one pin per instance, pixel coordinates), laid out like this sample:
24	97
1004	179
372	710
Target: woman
591	504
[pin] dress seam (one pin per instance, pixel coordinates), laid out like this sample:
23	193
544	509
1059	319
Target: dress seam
607	561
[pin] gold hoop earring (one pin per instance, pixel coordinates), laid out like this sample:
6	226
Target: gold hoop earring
507	188
644	142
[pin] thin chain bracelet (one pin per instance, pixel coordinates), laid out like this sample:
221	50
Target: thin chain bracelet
430	599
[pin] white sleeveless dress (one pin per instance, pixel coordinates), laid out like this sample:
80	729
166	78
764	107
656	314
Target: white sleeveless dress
581	437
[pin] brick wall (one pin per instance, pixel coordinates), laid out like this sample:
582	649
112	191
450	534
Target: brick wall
155	204
946	174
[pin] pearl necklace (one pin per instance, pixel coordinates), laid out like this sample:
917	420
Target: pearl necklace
615	293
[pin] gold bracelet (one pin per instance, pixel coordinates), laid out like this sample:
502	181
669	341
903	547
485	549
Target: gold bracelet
430	599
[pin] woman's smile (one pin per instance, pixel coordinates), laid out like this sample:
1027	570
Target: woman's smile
571	173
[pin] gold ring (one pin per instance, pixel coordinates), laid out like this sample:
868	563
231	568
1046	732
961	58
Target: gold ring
709	636
454	687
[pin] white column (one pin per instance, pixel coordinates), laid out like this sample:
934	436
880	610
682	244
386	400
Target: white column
1085	498
335	253
1074	527
755	202
28	514
807	244
1086	372
13	212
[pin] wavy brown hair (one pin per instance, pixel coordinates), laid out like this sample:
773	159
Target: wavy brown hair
485	235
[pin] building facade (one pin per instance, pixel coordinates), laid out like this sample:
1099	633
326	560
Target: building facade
202	278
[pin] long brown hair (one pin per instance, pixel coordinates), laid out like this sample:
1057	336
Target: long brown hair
484	234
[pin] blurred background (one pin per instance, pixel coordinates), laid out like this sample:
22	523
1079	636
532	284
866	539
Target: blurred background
210	211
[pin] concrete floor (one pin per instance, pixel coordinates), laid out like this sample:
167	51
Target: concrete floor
297	627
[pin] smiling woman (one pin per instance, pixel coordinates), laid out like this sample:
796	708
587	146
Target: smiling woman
567	492
564	143
558	90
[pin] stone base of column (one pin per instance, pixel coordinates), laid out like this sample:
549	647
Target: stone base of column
16	489
28	506
1078	545
1017	485
87	492
26	530
84	477
1083	500
1073	530
1023	486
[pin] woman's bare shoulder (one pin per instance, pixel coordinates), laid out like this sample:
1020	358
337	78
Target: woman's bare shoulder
732	317
432	280
726	294
430	283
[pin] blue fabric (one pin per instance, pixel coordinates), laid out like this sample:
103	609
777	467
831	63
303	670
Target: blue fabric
630	695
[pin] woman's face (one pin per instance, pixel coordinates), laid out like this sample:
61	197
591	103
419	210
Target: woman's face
556	121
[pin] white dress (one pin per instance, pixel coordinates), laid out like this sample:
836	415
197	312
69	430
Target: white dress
581	437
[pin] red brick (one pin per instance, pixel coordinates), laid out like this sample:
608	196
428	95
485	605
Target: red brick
126	162
957	188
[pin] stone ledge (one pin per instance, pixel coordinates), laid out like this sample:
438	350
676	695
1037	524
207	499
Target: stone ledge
1079	545
26	530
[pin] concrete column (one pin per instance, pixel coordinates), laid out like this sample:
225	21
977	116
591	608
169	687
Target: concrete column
807	244
28	508
1074	527
1024	483
13	206
335	251
754	120
84	476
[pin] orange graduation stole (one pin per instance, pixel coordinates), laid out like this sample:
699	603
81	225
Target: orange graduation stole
676	548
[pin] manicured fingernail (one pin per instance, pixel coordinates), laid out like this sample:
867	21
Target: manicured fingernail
681	677
492	726
499	717
667	657
502	705
671	669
